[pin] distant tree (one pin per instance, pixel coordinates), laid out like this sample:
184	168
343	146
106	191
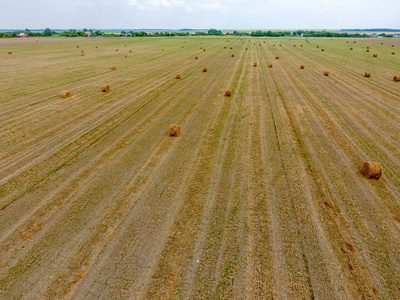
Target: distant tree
47	32
214	32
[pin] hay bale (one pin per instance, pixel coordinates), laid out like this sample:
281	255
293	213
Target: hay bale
393	53
396	78
273	45
317	46
381	43
113	68
231	48
367	74
97	47
205	70
174	130
280	45
367	47
326	73
178	76
246	48
294	45
116	50
162	49
9	52
65	94
183	47
82	51
322	50
201	47
392	45
130	51
105	88
367	50
233	55
196	57
372	170
375	55
224	47
82	54
126	56
270	66
277	57
228	93
301	67
301	45
204	50
77	46
351	48
254	64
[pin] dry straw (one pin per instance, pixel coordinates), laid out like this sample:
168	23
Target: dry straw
113	68
174	130
105	88
228	93
65	94
372	170
326	73
302	67
367	74
178	76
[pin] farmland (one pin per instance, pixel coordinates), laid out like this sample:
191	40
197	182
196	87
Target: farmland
261	196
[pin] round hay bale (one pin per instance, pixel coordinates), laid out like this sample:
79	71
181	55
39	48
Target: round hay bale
9	52
273	45
322	50
130	51
113	68
183	47
65	94
196	57
82	54
351	48
277	57
162	49
77	46
97	47
280	45
347	42
392	45
367	74
201	47
126	56
270	66
367	47
393	53
326	73
204	50
228	93
381	43
205	70
375	55
254	64
224	47
372	170
317	46
231	48
367	50
294	45
105	88
82	51
301	67
246	48
233	55
301	45
174	130
116	50
396	78
178	76
124	45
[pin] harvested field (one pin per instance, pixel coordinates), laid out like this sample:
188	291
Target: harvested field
261	196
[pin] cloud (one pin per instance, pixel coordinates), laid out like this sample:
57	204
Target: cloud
159	4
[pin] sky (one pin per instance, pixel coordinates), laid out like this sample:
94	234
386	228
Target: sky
199	14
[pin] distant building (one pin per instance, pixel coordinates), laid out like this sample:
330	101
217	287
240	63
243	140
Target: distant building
88	33
22	35
396	35
374	35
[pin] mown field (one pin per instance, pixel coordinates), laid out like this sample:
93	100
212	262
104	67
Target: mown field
260	197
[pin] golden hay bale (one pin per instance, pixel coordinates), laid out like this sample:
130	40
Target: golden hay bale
9	52
393	53
254	64
270	66
224	47
280	45
162	49
77	46
105	88
367	74
294	45
183	47
301	45
82	54
326	73
174	130
113	68
204	49
178	76
201	47
392	45
367	50
273	45
351	48
97	47
347	42
375	55
317	46
196	57
367	47
396	78
116	50
302	67
228	93
372	170
126	56
322	49
130	51
381	43
82	51
124	45
231	48
233	55
277	57
246	48
65	94
205	70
